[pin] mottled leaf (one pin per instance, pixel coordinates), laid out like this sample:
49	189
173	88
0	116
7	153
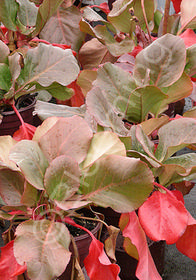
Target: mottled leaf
85	80
69	136
110	242
191	61
41	244
30	195
5	77
6	143
63	28
57	90
62	178
8	14
47	64
188	14
31	160
11	186
27	13
159	63
111	182
103	112
4	52
174	136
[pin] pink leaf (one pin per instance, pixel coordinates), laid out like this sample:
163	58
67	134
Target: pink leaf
78	99
176	4
103	6
136	50
98	265
26	131
189	37
163	217
187	242
9	268
146	269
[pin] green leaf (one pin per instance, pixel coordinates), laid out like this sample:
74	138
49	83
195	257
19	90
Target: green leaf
190	113
188	14
103	144
31	160
47	64
63	28
11	186
68	136
115	181
191	61
5	77
149	10
45	11
178	168
142	101
116	84
45	110
41	244
62	178
159	63
8	13
120	16
27	13
58	91
174	136
103	112
4	52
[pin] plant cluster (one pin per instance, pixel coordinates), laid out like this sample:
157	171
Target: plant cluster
115	148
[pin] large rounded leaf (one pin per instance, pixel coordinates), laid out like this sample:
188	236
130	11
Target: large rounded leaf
31	160
103	144
69	136
62	178
44	246
163	217
47	64
118	182
116	84
162	62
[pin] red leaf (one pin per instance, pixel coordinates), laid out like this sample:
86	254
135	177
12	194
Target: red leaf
189	37
9	268
163	217
98	265
103	6
78	99
187	242
176	4
136	50
26	131
146	269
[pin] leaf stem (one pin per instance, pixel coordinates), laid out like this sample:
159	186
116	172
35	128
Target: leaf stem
21	119
146	21
166	16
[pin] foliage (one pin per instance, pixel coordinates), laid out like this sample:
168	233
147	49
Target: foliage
117	150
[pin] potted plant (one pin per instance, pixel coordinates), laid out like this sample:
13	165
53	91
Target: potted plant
24	69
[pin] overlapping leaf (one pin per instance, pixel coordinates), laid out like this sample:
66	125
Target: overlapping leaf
174	136
11	186
63	27
69	136
159	62
47	64
4	52
6	143
62	178
31	160
40	244
159	214
8	14
188	14
118	182
135	238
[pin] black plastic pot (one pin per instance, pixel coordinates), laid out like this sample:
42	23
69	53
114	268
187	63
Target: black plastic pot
10	122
